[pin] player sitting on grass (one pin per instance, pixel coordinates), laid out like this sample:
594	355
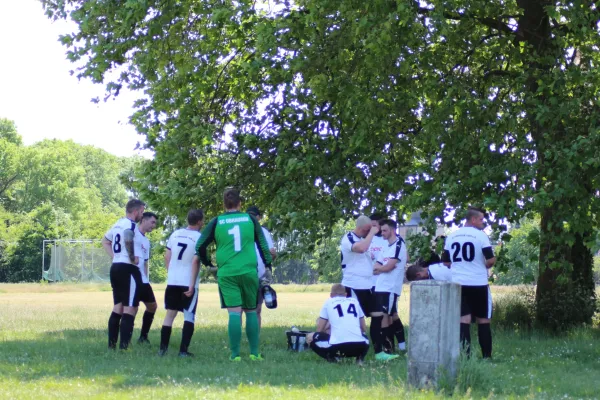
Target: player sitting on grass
346	320
179	296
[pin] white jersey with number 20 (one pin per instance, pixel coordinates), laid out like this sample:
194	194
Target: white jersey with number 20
465	247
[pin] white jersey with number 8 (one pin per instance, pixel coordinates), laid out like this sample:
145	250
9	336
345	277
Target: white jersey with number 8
116	235
182	245
344	314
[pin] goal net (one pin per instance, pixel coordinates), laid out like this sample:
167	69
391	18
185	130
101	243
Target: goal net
75	261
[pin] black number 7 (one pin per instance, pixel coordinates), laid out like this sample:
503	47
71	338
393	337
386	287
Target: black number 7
183	247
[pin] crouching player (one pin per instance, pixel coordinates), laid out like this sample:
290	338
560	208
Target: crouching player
347	323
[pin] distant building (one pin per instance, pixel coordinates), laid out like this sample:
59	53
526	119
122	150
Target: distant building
413	226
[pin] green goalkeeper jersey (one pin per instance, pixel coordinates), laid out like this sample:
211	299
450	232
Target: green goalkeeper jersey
235	234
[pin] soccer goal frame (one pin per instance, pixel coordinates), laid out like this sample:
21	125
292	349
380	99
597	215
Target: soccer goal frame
53	264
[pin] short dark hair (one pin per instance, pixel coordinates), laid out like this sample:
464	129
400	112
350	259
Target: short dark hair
474	212
195	216
148	215
133	205
377	216
411	273
231	197
253	210
389	222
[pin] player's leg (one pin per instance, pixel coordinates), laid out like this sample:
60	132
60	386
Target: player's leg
249	288
173	304
396	327
319	343
483	313
231	299
114	321
465	319
380	311
130	304
149	301
259	304
189	319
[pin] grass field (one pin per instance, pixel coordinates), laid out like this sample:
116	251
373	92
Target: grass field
53	345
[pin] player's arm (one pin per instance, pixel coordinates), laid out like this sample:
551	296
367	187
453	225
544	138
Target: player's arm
129	245
146	268
261	244
194	276
321	324
167	258
363	245
488	251
387	267
271	245
107	245
206	238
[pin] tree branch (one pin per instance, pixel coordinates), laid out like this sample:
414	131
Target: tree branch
487	21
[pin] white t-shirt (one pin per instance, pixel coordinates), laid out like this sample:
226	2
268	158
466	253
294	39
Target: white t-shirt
465	248
182	244
392	281
377	245
261	264
141	247
440	272
344	314
357	268
116	235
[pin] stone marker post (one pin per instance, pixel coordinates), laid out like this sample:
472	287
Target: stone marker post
434	341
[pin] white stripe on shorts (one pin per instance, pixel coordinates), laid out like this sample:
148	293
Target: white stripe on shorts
132	288
390	303
489	313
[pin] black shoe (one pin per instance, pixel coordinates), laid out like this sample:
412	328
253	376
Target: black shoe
143	340
162	352
185	354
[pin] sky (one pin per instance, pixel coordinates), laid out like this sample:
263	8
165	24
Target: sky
39	94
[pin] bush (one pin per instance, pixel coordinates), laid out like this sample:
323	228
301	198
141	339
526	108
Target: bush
515	310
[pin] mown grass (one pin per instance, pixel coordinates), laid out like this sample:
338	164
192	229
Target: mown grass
53	345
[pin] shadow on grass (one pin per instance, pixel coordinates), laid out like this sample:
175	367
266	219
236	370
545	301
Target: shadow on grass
83	354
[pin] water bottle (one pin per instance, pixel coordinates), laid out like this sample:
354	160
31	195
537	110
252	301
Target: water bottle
301	341
268	297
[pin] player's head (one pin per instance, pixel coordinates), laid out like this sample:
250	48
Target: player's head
416	273
388	228
338	290
232	199
476	217
195	218
375	220
135	209
255	212
148	222
363	226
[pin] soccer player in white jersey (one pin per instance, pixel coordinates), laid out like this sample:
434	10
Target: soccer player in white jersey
357	268
348	329
142	252
181	295
469	254
378	242
390	276
265	276
125	277
437	272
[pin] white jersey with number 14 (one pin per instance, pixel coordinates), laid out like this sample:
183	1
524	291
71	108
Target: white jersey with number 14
344	314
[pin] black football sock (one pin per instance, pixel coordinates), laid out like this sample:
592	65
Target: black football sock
484	332
146	323
376	336
398	329
114	323
126	330
165	337
186	336
465	337
389	334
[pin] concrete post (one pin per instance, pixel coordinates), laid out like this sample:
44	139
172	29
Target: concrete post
434	341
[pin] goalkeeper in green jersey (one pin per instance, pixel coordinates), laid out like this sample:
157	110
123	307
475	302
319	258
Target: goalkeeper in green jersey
235	234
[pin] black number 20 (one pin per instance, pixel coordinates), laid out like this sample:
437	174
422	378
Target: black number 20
351	310
468	252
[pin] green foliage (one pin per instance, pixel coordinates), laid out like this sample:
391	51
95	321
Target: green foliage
516	310
518	255
319	108
326	257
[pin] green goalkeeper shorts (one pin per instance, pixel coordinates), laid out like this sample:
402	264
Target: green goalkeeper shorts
239	291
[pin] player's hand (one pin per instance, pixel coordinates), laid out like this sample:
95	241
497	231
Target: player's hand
374	231
267	278
190	291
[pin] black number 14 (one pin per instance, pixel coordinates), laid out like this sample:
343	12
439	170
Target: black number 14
351	310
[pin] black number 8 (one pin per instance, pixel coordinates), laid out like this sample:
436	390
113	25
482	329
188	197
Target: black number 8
117	244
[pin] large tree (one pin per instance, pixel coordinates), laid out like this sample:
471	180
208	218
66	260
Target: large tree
319	108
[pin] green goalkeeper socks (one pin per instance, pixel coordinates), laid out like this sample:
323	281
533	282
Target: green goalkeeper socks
252	331
235	332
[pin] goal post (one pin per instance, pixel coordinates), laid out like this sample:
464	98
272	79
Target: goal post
71	260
